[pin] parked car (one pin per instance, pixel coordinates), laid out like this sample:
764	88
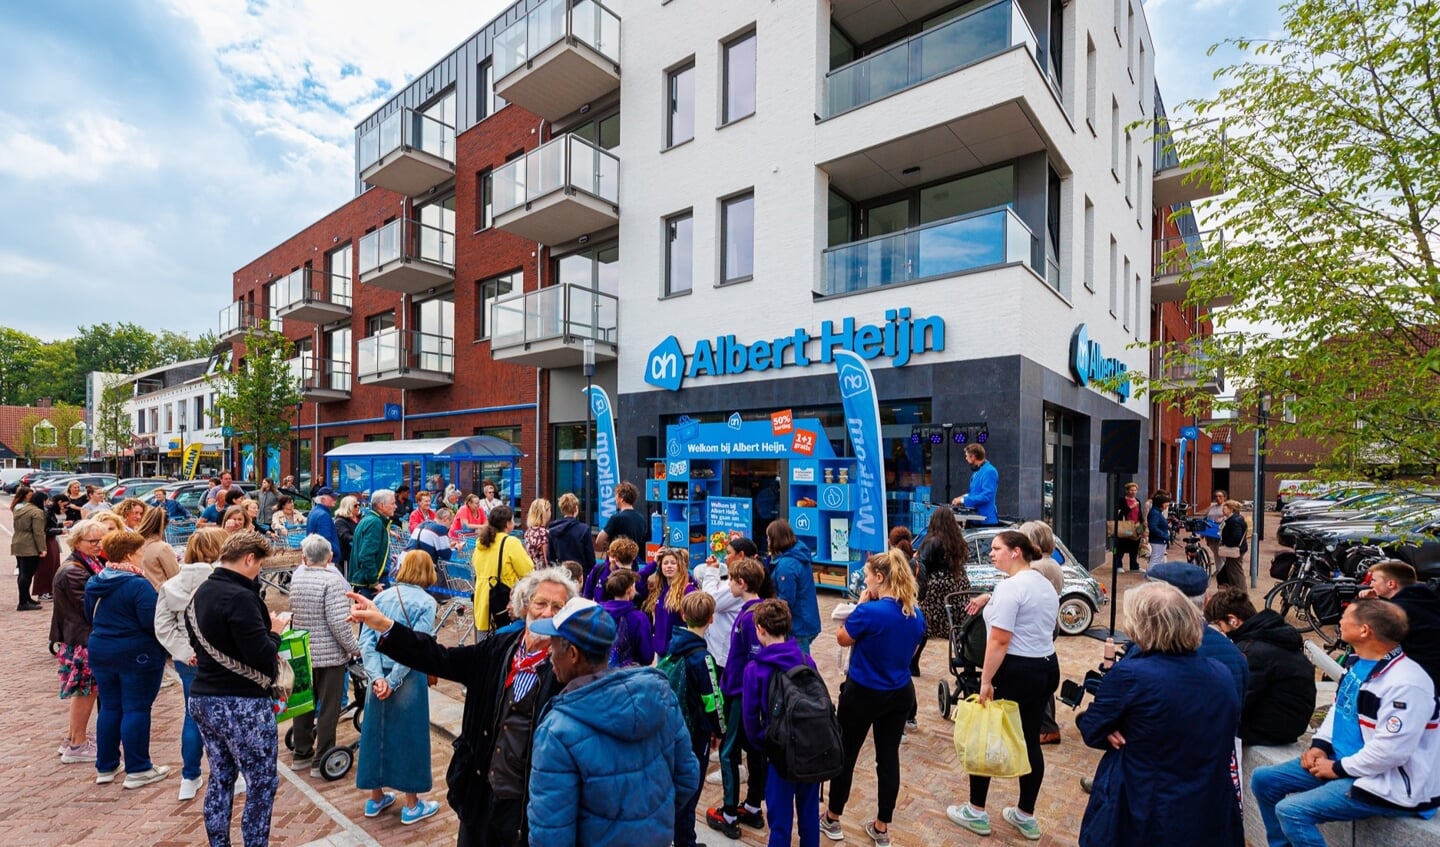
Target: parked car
33	477
1302	534
137	487
10	478
58	484
1082	598
1410	528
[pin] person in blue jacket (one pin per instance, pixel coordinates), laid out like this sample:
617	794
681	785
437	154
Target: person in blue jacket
173	510
321	520
984	483
794	578
1166	719
611	762
1157	526
1192	581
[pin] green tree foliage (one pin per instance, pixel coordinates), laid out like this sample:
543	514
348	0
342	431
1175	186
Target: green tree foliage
113	428
72	435
18	351
258	398
1327	150
31	369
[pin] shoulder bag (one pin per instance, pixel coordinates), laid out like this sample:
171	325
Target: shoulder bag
280	688
499	591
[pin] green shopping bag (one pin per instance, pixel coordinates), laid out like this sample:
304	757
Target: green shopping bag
295	649
988	740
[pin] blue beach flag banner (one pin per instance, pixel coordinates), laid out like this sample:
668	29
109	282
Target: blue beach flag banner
862	423
607	460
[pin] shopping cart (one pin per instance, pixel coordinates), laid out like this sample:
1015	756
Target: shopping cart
177	533
456	595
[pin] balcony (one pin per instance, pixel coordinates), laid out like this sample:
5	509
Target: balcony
321	380
558	192
310	297
989	239
242	316
1183	366
405	358
409	152
548	328
1176	181
1178	259
407	256
966	40
559	57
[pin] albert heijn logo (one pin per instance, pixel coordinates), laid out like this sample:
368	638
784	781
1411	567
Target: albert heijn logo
852	380
665	367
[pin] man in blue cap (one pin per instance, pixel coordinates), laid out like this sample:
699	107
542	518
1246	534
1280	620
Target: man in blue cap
321	520
611	761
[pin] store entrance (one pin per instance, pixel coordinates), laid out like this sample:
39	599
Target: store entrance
760	480
1058	471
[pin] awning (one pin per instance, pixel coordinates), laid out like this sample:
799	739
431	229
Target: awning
470	447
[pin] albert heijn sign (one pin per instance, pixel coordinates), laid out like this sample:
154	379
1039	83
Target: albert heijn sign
1089	363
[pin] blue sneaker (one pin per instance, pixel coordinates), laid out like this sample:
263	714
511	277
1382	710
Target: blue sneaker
373	809
418	812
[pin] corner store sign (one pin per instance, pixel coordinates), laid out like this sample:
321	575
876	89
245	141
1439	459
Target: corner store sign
899	338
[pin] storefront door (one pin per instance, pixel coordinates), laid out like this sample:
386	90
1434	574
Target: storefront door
1058	472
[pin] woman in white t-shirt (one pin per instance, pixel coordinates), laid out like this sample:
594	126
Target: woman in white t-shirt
1020	665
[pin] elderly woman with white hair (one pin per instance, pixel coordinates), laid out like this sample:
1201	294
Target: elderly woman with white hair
318	604
509	680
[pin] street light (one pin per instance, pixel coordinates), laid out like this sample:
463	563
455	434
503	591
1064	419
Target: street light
1257	467
589	348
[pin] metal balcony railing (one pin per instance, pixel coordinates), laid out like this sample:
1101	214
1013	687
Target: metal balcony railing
407	129
395	350
1179	254
404	238
317	374
568	163
586	22
1175	146
242	316
569	312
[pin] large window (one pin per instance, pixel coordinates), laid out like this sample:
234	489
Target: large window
679	253
680	112
338	265
437	231
485	202
597	268
737	225
379	323
571	456
739	78
338	343
490	102
603	132
489	291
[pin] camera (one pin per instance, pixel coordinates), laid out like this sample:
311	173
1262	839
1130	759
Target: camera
1072	693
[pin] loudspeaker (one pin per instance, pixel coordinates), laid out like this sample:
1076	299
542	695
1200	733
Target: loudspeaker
647	447
1119	447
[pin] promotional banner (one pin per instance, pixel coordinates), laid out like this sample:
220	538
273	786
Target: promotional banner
192	459
607	459
727	518
867	529
247	462
1180	472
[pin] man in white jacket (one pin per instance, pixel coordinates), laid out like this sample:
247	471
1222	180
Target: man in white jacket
1378	752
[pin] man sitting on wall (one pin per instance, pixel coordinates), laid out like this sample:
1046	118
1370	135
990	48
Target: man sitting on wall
1396	581
984	483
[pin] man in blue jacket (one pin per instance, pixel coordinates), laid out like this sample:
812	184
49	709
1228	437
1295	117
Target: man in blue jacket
321	520
984	483
611	762
160	497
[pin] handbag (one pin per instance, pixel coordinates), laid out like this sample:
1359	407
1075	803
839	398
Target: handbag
988	739
280	688
1229	552
1127	530
1144	548
430	678
499	592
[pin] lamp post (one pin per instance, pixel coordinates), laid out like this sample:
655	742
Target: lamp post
589	367
1262	409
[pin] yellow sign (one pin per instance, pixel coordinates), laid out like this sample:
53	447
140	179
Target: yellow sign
192	459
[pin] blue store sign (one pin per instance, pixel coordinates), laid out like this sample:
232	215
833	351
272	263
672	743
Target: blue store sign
1088	362
899	338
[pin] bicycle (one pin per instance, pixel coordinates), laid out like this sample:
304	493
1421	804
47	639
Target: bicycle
1317	596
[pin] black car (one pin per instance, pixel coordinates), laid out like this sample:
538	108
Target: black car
1297	534
1415	534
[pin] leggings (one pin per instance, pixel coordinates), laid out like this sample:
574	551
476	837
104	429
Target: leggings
861	708
28	566
240	738
1030	682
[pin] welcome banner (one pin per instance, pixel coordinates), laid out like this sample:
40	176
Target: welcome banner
607	459
868	531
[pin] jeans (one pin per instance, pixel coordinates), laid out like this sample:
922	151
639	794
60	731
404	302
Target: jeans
685	817
124	716
1159	550
28	565
804	644
1031	683
1292	803
315	731
192	747
240	738
859	709
785	800
730	749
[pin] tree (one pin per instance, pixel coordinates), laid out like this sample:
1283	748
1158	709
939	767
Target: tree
27	444
258	398
179	347
113	427
18	351
1326	149
57	374
123	348
72	435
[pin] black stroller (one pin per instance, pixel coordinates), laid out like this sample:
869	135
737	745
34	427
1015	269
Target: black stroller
336	762
967	650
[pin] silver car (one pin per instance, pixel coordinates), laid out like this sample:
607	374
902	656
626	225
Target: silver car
1083	595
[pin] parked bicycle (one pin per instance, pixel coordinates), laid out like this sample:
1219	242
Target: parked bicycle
1316	595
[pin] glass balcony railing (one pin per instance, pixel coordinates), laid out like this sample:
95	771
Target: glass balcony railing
565	163
990	238
586	21
1179	254
290	289
570	312
242	316
406	239
407	129
320	374
394	350
1185	363
956	43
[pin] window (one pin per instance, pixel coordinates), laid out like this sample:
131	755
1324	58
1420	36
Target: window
737	233
337	342
432	433
1115	139
376	324
490	291
841	226
1138	308
597	268
1119	19
1091	86
739	79
380	436
1114	275
437	232
1125	315
485	203
199	413
680	123
490	102
603	132
1089	244
1140	191
1129	152
1130	39
1056	40
679	254
338	269
1140	72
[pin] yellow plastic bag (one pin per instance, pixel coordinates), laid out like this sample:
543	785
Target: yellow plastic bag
988	740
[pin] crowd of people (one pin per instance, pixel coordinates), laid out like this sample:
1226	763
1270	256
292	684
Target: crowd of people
601	682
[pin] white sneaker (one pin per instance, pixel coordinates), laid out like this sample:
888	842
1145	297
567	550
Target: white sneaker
189	788
714	777
239	784
144	778
106	777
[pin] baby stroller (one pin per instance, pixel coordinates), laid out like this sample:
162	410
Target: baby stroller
336	762
967	650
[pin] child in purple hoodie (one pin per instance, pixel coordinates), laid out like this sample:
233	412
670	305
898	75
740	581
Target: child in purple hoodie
778	654
747	577
632	627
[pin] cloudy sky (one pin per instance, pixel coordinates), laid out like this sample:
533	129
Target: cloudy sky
148	148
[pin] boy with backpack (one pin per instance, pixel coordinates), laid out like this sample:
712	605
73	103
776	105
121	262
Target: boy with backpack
632	626
747	576
787	713
691	671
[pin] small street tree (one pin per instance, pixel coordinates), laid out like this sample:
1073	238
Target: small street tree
257	398
113	428
1326	149
73	435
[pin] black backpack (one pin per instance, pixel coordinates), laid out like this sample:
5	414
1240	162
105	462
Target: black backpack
802	738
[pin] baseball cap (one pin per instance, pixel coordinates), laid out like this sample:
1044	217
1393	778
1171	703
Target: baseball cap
583	623
1190	579
324	491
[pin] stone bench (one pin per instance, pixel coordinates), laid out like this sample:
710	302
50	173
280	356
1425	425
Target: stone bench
1390	832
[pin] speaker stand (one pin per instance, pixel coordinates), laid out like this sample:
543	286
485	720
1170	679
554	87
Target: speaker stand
1100	632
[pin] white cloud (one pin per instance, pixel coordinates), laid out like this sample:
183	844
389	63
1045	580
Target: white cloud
83	147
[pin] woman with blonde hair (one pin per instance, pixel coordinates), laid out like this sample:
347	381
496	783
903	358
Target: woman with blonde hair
345	523
668	586
537	532
131	511
884	631
395	734
110	520
235	520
